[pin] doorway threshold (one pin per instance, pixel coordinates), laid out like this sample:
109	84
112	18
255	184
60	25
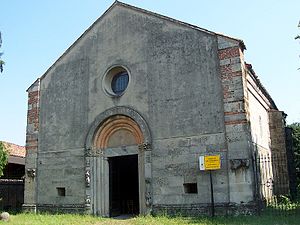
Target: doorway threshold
124	216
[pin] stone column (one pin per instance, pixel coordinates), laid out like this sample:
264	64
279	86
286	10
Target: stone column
88	181
97	183
145	178
105	186
30	195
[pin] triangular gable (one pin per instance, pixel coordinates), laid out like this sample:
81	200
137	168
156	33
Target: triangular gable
121	4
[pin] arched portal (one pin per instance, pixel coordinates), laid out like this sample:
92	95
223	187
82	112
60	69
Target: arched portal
118	164
117	131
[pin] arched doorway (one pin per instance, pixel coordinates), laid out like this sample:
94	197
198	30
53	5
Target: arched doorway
118	164
116	132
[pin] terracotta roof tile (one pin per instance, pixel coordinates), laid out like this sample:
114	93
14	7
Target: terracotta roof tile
15	150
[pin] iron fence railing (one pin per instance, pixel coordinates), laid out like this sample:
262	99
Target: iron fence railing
275	189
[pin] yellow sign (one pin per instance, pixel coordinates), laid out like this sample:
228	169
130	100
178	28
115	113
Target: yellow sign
212	162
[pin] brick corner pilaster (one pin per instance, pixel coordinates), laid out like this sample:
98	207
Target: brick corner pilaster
32	131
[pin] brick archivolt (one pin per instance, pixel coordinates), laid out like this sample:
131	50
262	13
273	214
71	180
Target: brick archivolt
115	124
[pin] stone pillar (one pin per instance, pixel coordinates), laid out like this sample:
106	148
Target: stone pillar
88	178
236	119
145	178
97	183
278	151
32	130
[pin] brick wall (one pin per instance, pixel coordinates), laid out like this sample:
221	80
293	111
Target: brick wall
233	84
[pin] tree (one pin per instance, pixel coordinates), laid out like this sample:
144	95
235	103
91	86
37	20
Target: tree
3	157
1	53
296	146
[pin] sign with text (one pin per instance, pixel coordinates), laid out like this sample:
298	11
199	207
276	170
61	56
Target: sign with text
210	162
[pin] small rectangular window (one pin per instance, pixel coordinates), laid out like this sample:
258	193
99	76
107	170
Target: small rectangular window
190	188
61	191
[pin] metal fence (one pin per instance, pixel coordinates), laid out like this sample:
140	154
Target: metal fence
276	191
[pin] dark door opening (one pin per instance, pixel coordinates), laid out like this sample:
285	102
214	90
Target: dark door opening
123	185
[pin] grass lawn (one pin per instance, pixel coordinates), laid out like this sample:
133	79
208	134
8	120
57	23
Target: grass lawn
68	219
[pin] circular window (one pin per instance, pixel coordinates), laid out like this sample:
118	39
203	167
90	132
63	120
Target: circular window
115	81
119	83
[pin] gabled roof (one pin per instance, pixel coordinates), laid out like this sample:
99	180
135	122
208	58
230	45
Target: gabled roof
178	22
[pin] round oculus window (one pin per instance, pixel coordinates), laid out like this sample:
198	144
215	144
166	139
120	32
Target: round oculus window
116	81
119	83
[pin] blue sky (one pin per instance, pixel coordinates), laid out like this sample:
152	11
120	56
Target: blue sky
35	33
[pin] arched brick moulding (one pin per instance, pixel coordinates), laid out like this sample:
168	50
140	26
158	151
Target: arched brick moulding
135	119
114	124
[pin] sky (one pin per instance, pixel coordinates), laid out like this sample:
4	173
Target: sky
36	33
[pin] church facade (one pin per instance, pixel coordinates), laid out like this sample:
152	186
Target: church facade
117	124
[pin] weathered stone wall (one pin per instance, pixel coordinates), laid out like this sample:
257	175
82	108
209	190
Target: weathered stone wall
278	147
30	189
175	85
268	138
190	88
63	127
277	126
175	163
237	130
259	117
259	106
220	209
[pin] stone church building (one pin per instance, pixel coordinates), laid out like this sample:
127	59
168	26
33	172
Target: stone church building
117	124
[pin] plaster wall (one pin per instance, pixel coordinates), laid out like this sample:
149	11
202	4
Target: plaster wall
259	117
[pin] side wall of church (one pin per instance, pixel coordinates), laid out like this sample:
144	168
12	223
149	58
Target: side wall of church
258	111
259	107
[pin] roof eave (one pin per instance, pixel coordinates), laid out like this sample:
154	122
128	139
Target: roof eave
260	85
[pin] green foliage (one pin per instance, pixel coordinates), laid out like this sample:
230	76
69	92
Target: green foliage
3	157
296	146
283	199
68	219
1	65
282	204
